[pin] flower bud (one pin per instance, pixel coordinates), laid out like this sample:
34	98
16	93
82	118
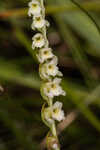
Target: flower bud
52	143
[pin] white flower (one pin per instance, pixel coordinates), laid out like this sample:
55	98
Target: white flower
38	41
49	69
38	22
44	54
52	88
54	112
58	113
34	8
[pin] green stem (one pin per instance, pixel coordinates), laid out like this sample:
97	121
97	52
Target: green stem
53	129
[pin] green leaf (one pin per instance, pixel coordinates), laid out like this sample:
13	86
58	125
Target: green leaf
81	23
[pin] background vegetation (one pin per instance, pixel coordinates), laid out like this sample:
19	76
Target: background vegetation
75	39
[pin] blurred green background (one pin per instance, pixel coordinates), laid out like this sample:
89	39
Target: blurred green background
75	39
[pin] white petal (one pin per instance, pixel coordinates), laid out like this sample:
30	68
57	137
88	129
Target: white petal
57	105
57	80
54	60
55	146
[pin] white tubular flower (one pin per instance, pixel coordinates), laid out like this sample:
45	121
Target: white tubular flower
38	41
49	69
44	54
58	113
54	112
34	8
38	22
52	88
